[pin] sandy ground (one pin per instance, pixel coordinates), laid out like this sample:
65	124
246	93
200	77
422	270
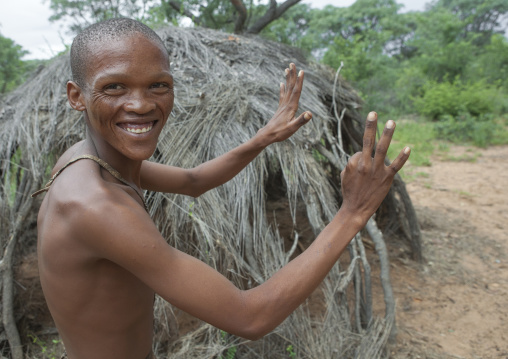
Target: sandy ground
455	305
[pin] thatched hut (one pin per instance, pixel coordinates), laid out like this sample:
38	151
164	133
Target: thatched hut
226	89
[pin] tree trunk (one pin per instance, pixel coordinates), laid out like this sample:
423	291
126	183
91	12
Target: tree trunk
273	13
178	7
242	15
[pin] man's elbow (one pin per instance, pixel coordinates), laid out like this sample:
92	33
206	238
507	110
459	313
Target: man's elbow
194	187
257	317
195	192
254	333
257	328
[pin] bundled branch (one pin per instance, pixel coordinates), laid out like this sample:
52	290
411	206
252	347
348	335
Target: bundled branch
226	89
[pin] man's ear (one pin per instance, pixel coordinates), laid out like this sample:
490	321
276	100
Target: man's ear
75	96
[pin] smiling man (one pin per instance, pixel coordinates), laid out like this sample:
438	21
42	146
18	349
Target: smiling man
102	259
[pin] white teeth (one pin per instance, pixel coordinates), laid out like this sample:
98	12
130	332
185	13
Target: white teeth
139	130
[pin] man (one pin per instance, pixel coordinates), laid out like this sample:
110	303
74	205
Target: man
102	259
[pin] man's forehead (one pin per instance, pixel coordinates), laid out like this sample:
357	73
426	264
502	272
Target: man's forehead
130	41
108	52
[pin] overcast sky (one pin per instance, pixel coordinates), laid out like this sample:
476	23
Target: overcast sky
26	22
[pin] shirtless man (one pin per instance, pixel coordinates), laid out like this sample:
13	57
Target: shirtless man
102	259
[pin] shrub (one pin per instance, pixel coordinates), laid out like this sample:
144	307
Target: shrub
481	130
439	99
479	98
444	99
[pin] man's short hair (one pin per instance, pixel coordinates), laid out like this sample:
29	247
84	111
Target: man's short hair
111	29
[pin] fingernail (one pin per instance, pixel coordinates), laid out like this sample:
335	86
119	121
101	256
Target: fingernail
371	116
300	73
407	150
281	84
390	124
291	65
286	71
307	116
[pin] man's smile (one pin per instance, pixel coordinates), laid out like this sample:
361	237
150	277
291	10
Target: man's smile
137	127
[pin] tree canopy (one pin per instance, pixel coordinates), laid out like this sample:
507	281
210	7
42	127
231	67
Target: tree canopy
228	15
11	65
396	59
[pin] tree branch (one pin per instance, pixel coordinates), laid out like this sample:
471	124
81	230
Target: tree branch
384	264
21	208
179	7
273	13
242	15
8	319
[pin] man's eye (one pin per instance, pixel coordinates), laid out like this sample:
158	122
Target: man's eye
160	85
113	87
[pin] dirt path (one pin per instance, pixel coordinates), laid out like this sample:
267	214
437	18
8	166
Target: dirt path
456	304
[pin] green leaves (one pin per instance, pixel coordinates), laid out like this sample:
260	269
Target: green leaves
427	62
225	15
452	99
11	66
82	13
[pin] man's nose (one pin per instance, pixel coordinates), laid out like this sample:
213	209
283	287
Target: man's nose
139	102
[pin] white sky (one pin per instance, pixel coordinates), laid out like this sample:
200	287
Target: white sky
26	22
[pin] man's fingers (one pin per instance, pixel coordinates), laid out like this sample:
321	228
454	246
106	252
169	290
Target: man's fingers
290	94
281	93
287	86
369	136
400	160
291	79
384	143
297	89
303	119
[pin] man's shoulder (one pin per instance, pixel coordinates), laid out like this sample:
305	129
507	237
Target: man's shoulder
68	155
82	196
91	213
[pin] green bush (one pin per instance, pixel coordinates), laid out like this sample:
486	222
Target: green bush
465	128
444	99
479	98
409	86
439	99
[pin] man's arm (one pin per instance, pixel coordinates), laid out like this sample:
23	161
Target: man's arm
131	240
196	181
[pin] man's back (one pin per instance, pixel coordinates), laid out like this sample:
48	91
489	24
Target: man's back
100	309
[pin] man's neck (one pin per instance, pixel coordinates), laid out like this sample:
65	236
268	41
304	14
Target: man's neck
128	168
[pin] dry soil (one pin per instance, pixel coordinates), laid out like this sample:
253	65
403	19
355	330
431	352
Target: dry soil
455	305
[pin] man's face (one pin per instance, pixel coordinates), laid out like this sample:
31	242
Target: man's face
128	94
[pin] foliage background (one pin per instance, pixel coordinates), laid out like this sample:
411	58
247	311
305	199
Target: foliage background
447	65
